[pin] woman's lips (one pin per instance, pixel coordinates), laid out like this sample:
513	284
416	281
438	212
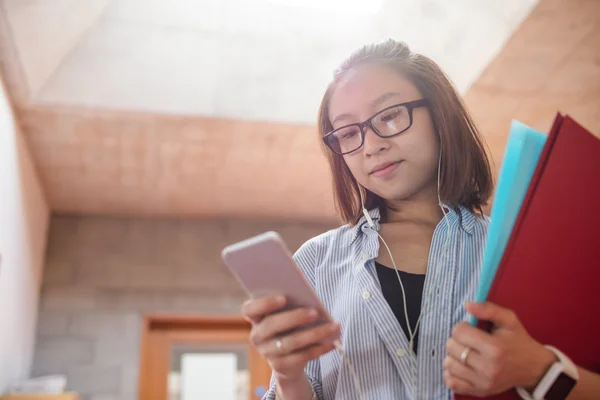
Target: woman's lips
386	170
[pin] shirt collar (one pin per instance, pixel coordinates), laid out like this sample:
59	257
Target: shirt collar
363	223
464	215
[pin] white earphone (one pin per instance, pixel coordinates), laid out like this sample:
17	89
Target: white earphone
365	212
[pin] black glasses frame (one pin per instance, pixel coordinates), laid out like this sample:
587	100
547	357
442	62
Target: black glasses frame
410	106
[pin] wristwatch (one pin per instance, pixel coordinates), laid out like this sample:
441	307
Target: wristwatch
557	383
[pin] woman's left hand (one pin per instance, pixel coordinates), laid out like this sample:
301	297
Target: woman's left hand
495	362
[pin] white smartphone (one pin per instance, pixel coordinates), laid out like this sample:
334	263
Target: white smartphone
265	267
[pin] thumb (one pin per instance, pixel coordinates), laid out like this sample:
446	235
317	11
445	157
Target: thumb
500	316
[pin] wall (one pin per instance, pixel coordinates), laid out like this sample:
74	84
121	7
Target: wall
103	274
23	226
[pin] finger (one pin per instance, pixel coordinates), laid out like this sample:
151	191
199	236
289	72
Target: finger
462	371
299	341
474	359
275	324
281	363
255	309
459	386
500	316
474	338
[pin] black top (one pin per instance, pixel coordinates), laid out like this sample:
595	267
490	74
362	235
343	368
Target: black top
413	287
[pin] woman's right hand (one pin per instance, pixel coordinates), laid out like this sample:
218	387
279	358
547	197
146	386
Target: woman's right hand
288	353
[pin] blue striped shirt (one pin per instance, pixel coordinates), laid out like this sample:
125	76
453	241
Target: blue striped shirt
340	266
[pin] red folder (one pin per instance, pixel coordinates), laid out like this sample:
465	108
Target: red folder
550	271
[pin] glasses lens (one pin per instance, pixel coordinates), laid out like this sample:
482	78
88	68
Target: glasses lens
392	121
345	140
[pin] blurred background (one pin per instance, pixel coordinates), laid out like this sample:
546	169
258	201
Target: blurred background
140	137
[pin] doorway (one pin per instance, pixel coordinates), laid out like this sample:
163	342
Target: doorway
197	357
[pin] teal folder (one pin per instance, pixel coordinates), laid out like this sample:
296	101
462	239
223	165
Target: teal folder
520	160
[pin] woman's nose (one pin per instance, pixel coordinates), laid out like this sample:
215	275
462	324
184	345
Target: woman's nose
373	144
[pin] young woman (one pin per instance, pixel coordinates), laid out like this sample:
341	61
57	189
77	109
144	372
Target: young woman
410	177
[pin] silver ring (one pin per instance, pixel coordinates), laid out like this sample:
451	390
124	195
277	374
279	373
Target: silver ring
464	355
279	345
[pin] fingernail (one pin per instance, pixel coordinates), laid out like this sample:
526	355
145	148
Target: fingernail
334	327
280	299
312	313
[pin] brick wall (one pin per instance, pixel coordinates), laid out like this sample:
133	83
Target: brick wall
102	274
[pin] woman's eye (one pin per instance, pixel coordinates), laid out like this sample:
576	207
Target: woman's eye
348	134
391	115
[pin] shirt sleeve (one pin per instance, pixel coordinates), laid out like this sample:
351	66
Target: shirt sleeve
306	258
315	383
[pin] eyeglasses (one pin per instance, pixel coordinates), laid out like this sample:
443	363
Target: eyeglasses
389	122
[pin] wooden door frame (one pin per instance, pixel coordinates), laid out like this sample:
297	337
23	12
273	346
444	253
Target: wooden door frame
159	331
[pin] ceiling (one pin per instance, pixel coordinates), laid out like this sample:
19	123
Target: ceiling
194	109
262	60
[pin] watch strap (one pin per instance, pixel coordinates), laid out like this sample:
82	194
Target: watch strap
568	368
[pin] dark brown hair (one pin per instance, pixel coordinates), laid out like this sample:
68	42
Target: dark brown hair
465	173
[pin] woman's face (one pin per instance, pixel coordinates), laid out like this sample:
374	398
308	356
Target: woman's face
398	168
